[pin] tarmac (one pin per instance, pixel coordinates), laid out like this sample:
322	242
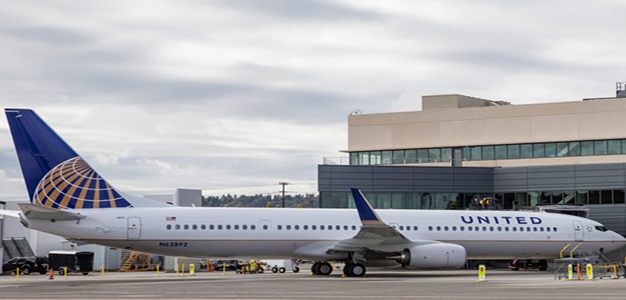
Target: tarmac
377	284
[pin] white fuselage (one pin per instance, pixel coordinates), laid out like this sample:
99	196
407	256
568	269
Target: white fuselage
309	233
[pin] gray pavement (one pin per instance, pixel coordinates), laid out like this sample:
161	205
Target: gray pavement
378	284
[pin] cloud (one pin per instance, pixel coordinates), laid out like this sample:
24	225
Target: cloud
233	96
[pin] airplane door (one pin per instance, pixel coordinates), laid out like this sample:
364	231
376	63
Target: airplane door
579	234
133	228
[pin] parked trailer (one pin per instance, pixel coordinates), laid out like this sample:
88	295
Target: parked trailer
280	266
73	261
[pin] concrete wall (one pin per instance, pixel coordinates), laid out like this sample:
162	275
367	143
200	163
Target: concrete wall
508	124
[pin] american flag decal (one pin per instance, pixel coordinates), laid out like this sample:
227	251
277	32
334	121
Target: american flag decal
170	218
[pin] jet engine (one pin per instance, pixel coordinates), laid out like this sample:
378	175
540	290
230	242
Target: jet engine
434	256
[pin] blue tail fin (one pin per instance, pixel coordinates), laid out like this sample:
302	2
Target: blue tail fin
55	175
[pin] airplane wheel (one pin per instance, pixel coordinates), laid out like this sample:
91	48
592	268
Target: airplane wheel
274	270
354	270
325	269
315	268
296	270
281	270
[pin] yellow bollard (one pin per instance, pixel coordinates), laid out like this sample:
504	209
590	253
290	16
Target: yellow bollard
158	265
64	273
481	273
615	272
570	272
17	274
182	271
192	270
589	272
176	269
102	271
224	267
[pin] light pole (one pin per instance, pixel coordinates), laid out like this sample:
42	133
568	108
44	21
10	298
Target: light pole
283	192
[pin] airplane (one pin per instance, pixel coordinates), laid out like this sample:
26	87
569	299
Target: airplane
70	199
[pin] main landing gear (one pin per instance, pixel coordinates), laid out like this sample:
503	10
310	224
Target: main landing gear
354	269
321	268
351	269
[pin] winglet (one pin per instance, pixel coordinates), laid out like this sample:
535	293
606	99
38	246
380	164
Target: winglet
366	212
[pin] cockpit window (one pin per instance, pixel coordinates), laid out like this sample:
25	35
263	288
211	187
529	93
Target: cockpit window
601	228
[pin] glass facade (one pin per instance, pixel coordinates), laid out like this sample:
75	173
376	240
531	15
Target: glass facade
491	152
426	200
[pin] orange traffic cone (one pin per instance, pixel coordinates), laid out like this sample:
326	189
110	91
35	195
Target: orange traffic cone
51	276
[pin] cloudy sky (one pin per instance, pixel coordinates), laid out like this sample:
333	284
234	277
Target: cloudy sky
234	96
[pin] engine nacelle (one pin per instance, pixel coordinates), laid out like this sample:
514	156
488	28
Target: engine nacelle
434	256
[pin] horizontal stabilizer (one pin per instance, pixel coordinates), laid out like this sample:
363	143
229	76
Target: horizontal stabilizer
32	211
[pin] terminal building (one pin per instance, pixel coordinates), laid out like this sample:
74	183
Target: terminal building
459	147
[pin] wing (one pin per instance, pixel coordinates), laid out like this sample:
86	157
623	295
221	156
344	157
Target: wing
375	235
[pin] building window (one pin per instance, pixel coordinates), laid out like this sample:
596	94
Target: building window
488	153
526	151
606	197
434	155
600	147
446	154
387	157
375	158
354	158
364	158
410	156
476	153
574	149
550	150
501	152
398	157
539	151
615	147
513	151
586	148
422	156
562	149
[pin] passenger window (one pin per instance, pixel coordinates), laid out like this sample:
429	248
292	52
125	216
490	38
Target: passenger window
321	227
548	229
476	228
203	227
554	229
490	228
535	229
401	227
337	227
462	228
288	227
514	228
469	228
484	228
345	227
227	227
252	227
330	227
438	228
296	227
445	228
194	227
528	229
499	228
244	227
211	226
313	227
408	228
264	227
169	226
236	227
541	229
305	227
453	228
414	228
220	227
506	228
430	228
279	227
353	227
521	229
186	226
